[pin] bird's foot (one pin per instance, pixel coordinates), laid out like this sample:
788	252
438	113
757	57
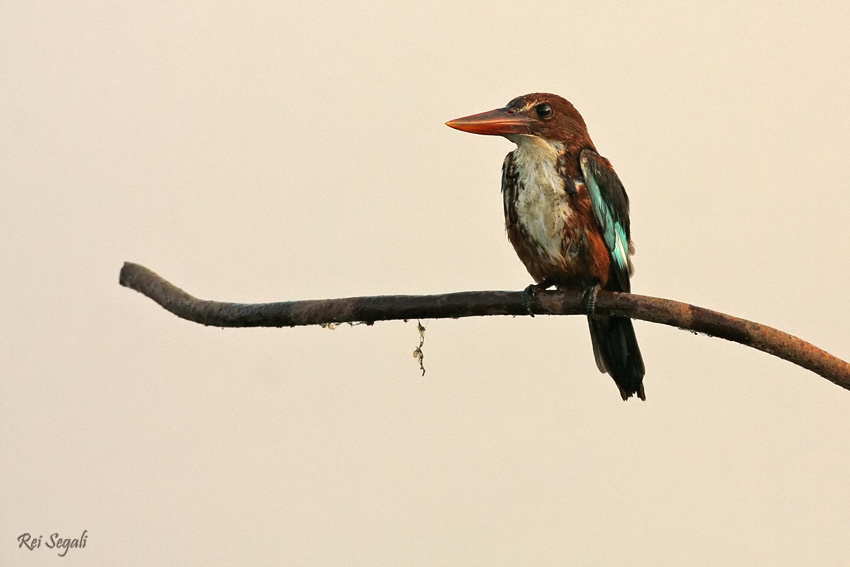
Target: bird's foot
529	295
590	298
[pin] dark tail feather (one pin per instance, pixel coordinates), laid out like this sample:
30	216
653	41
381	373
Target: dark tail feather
616	350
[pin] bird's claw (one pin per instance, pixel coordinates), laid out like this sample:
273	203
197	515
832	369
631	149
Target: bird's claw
590	299
529	295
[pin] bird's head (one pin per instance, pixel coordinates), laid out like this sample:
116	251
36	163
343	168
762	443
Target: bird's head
541	115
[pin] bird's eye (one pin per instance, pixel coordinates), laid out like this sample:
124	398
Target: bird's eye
544	110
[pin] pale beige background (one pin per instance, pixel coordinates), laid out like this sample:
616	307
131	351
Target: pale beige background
272	151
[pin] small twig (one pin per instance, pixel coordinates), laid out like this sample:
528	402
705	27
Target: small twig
418	353
480	303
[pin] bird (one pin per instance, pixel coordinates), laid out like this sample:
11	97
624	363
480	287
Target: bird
567	216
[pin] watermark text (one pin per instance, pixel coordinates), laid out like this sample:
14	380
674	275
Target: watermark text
60	544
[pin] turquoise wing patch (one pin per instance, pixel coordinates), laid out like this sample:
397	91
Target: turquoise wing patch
606	197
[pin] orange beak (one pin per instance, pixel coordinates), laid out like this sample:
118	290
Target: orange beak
494	122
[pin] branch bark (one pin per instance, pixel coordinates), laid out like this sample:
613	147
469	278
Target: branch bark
480	303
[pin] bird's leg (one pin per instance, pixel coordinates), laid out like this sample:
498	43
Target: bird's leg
590	298
530	294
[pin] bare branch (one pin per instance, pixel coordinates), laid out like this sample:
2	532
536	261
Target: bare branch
480	303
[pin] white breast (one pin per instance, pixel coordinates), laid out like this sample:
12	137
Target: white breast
542	207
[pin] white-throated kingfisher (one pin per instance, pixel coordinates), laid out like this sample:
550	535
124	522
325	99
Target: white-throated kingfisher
567	216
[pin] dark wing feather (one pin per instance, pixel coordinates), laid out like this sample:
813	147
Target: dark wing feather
509	188
611	210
